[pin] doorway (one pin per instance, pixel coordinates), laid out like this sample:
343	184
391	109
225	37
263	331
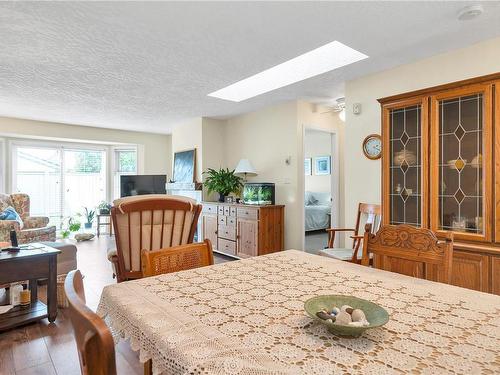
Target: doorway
320	182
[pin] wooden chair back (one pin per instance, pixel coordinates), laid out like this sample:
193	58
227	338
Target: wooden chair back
178	258
150	222
410	251
367	214
94	342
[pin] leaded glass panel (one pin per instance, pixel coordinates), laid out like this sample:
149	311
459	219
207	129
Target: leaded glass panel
405	165
460	164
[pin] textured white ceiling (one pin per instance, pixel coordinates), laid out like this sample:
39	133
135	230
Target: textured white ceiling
148	66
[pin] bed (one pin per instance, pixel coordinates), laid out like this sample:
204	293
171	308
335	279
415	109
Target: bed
318	207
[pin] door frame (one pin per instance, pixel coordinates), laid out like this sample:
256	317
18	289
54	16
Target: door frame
334	182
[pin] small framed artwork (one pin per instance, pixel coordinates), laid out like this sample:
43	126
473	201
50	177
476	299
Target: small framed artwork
229	199
308	166
322	165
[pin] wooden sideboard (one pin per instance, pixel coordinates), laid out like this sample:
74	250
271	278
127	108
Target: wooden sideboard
243	230
441	170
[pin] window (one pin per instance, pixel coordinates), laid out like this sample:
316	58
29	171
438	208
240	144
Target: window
125	164
60	181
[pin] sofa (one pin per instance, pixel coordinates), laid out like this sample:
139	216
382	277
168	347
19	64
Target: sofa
35	228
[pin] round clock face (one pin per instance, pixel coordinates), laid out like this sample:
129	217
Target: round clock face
372	146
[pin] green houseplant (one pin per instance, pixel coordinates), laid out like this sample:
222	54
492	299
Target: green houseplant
72	226
104	208
223	182
89	215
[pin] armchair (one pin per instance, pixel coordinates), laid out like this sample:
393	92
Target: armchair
35	228
369	214
149	222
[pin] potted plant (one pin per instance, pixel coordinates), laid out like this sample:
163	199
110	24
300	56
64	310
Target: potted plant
89	215
72	226
104	208
223	182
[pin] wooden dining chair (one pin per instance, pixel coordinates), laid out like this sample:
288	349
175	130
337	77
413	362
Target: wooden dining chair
367	213
178	258
150	222
94	342
410	251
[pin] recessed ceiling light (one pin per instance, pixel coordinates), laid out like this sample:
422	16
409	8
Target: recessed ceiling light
318	61
470	12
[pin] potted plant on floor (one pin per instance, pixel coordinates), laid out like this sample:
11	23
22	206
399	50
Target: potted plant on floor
72	226
223	182
104	208
89	216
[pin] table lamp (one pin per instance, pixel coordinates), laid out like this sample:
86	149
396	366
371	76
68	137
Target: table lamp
245	168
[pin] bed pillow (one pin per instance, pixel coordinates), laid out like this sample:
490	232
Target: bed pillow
310	199
323	198
10	214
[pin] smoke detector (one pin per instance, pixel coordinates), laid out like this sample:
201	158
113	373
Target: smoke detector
470	12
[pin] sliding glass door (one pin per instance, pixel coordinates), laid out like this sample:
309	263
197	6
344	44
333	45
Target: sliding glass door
60	181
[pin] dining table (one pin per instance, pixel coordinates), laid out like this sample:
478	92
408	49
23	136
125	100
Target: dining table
248	317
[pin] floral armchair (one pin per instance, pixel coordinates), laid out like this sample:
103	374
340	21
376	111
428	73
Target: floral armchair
35	229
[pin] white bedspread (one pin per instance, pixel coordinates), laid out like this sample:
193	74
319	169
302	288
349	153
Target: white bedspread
316	217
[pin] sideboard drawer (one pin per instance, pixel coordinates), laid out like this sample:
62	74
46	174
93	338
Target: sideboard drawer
248	213
210	209
221	210
230	220
226	210
232	211
228	247
227	232
222	220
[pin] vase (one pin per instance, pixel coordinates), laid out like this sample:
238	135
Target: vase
88	225
222	198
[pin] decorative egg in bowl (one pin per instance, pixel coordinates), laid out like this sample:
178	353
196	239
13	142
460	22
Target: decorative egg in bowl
346	315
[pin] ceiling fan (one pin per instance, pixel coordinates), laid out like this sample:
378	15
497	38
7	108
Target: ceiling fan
338	106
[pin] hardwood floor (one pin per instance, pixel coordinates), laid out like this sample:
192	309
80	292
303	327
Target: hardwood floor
49	348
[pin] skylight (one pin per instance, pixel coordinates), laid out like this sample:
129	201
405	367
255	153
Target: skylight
318	61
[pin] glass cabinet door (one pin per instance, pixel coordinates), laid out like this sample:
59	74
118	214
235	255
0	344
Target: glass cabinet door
405	159
461	162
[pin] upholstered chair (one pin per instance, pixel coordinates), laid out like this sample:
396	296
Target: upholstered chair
149	222
35	228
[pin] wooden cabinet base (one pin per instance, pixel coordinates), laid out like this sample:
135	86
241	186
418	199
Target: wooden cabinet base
470	270
242	231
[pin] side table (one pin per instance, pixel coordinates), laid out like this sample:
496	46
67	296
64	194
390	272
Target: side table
106	223
38	261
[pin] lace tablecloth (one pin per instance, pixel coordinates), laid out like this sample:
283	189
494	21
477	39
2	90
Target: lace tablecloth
247	317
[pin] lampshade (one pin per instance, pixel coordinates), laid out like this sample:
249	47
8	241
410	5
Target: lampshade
246	168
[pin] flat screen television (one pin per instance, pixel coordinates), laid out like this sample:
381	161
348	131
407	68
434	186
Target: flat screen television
142	184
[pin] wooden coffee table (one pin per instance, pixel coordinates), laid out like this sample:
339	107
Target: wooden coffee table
35	262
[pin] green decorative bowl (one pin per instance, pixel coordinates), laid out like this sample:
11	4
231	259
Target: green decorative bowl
376	315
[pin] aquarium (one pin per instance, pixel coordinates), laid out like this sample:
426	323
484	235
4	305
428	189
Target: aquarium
258	193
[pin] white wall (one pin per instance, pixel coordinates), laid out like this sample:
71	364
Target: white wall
363	176
317	143
188	136
154	149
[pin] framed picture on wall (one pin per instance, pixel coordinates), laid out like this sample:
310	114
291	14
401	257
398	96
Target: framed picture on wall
184	166
322	165
308	166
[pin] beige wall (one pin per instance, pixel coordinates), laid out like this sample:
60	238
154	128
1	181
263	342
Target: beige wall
188	136
267	138
363	176
317	143
154	149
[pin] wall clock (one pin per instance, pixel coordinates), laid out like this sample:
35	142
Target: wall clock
372	146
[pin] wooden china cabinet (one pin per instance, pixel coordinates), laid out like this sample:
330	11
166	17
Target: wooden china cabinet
441	170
